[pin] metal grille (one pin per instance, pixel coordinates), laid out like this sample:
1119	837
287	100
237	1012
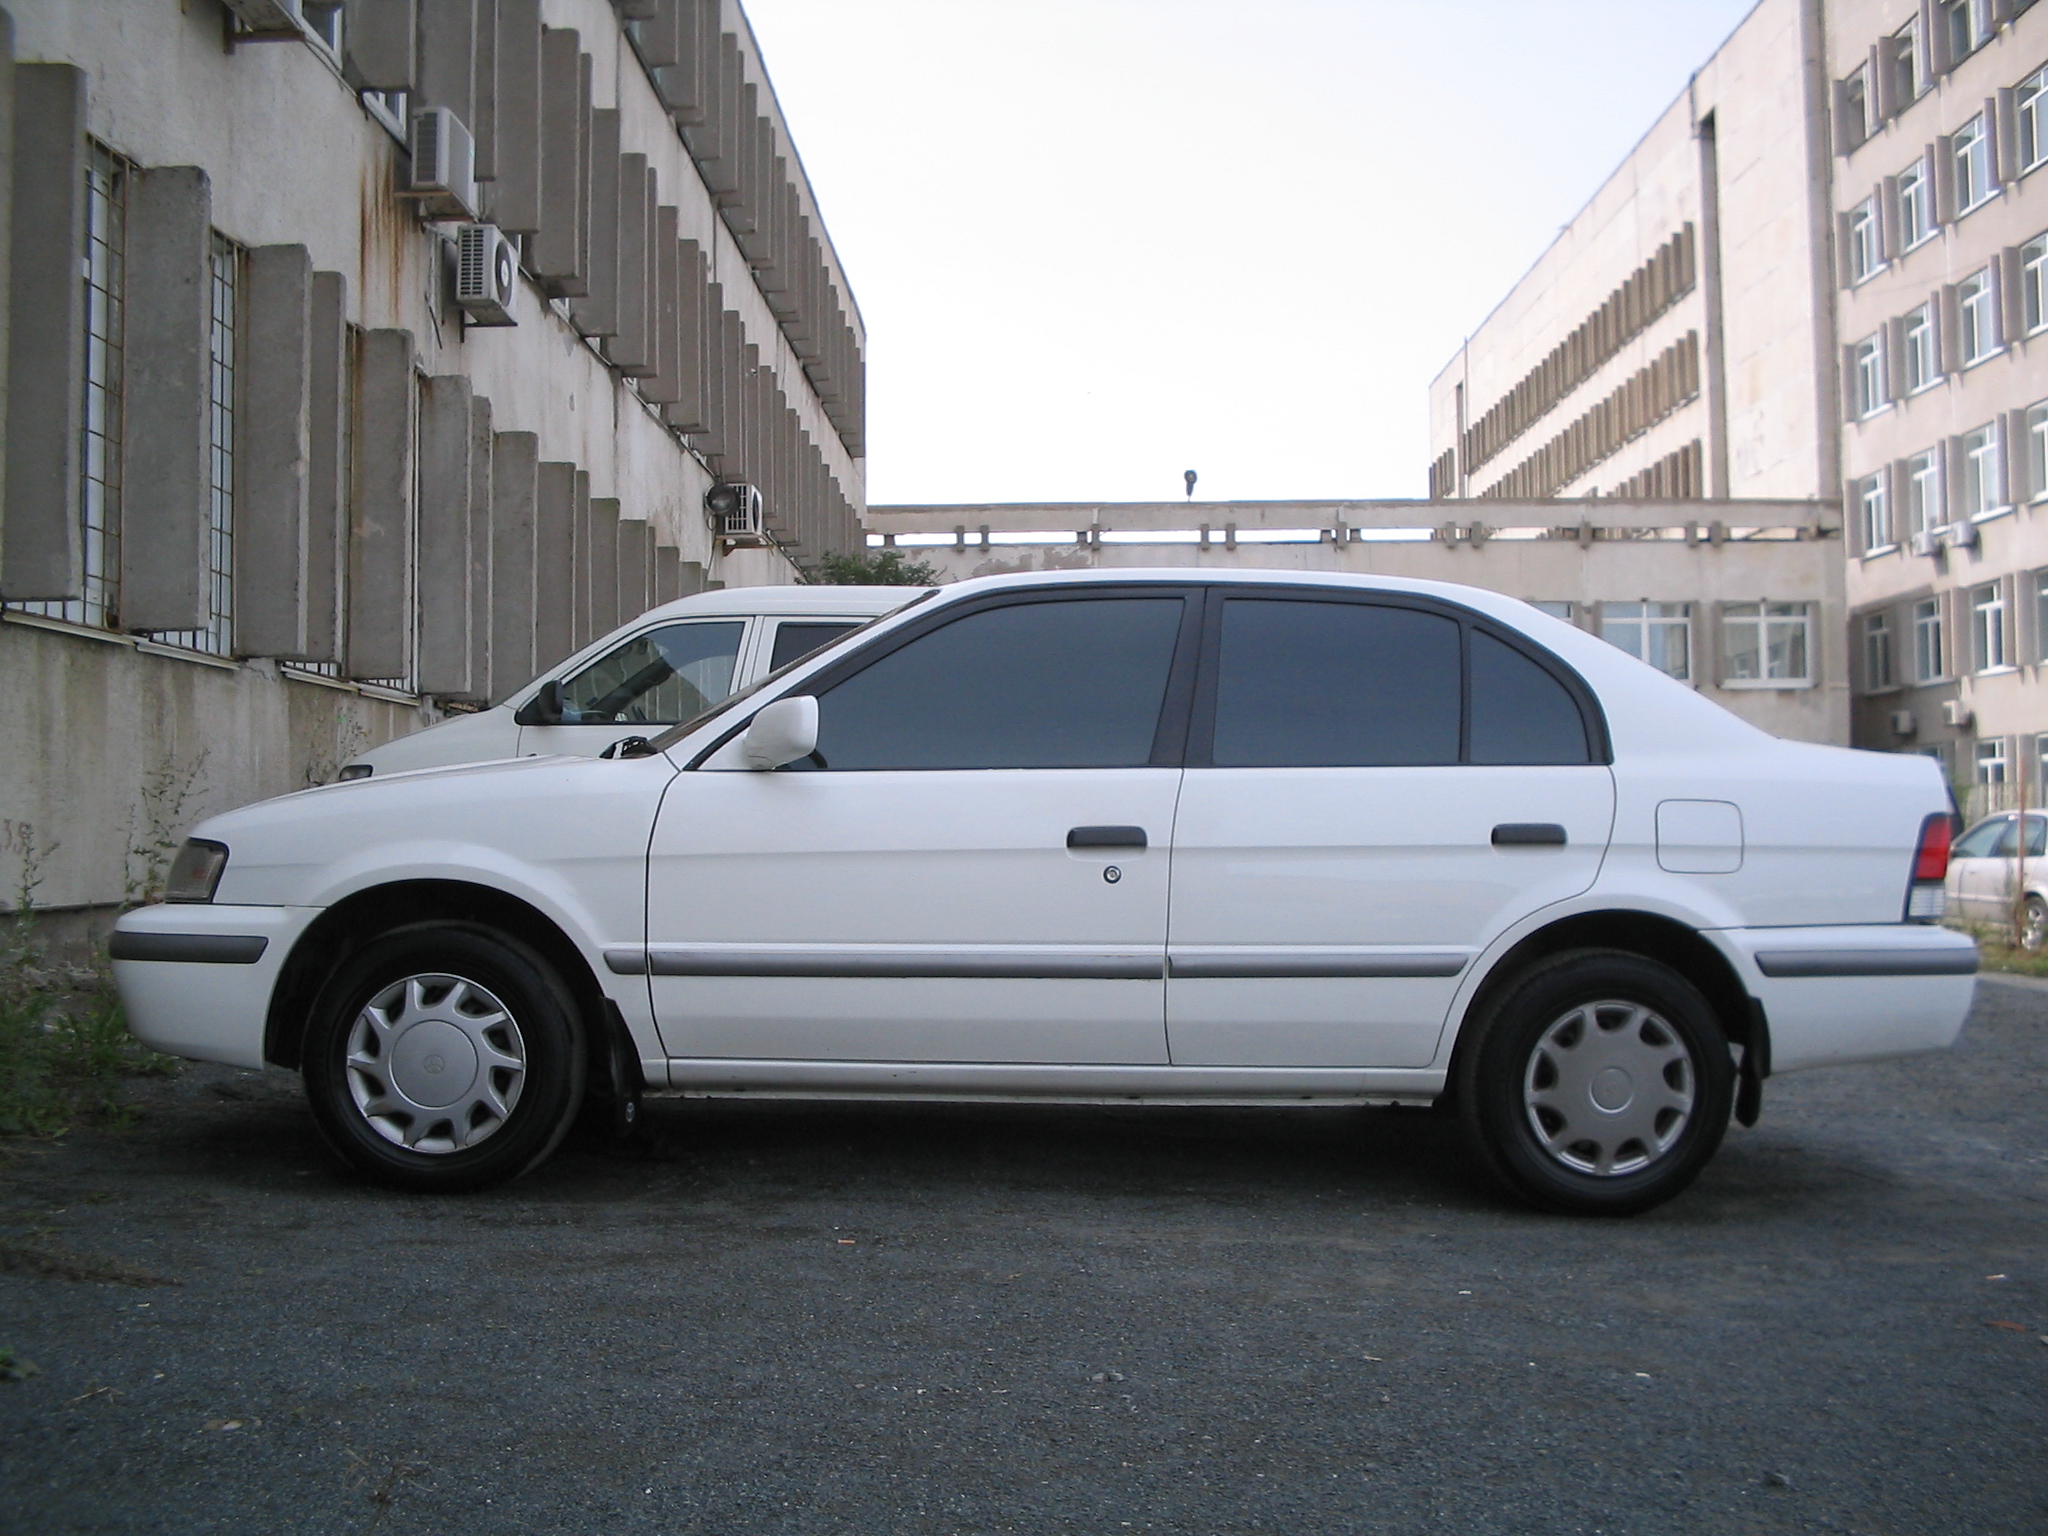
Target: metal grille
99	491
217	636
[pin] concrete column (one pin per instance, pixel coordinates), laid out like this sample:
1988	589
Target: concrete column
597	312
556	252
636	567
686	412
629	349
377	39
668	575
710	436
41	542
6	254
604	565
446	405
554	564
327	434
272	532
484	127
169	429
380	577
658	38
480	513
515	490
579	589
663	386
693	578
447	58
513	198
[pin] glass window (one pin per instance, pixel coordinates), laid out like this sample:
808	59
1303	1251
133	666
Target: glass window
1520	712
1978	842
1658	633
1971	146
1874	508
2034	284
1866	378
1329	685
1977	316
1070	684
1990	759
1908	58
1767	643
1979	492
1923	492
1865	253
1930	650
1968	23
1558	610
2040	584
2037	449
1878	671
1855	108
1923	355
217	635
797	638
2030	103
2008	840
662	677
1987	626
1916	204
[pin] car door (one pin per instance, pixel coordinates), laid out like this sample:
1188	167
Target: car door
1376	787
656	678
1977	871
971	868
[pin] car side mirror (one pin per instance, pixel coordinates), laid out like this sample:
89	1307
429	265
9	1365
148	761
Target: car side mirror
545	707
781	733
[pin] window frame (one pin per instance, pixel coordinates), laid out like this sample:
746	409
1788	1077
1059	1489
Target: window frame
2030	120
1880	657
1977	338
1764	622
1920	341
1990	753
1867	380
1991	647
1918	221
1866	247
1929	621
2033	275
1874	512
1982	492
1970	149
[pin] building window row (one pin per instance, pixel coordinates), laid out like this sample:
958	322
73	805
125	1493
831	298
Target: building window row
1958	326
1764	644
1963	479
1671	380
1947	181
1679	476
1904	66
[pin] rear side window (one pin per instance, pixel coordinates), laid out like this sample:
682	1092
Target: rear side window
1520	712
797	638
1074	684
1335	685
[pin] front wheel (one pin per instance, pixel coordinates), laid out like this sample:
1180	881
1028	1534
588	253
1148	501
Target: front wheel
1599	1083
444	1058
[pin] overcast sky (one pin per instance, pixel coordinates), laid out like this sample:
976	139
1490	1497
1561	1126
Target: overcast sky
1099	242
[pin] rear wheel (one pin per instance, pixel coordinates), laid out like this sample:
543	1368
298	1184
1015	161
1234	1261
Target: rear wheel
444	1058
1599	1083
2033	923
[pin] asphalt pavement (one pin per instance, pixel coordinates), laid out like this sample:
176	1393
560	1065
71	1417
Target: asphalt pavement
878	1319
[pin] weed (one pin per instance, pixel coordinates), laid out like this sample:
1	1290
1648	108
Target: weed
14	1368
1997	952
156	828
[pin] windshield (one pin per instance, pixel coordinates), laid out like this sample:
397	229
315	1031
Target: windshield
676	733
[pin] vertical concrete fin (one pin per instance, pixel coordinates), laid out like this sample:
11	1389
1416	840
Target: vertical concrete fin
513	199
272	542
480	505
6	252
554	251
169	393
327	415
668	575
378	41
604	565
596	313
580	607
663	385
515	492
483	127
628	349
42	542
447	58
636	567
554	565
443	578
380	584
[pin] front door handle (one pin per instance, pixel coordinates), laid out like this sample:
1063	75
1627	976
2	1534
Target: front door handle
1528	834
1106	837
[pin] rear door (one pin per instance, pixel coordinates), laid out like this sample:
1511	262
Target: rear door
1376	787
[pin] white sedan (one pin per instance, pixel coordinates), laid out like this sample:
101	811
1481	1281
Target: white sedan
1104	837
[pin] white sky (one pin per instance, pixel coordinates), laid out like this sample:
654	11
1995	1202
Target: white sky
1099	242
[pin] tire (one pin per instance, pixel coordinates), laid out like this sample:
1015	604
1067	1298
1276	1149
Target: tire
444	1058
2033	924
1598	1083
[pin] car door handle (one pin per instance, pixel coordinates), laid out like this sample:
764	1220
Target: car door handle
1528	834
1106	837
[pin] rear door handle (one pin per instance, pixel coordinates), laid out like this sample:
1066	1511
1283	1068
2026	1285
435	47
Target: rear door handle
1106	837
1528	834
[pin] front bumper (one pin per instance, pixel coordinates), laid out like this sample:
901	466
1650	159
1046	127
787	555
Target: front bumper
1867	993
195	980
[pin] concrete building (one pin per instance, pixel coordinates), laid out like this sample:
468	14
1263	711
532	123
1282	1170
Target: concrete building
1941	285
363	358
1632	569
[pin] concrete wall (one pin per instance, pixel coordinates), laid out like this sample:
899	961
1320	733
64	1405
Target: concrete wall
1583	553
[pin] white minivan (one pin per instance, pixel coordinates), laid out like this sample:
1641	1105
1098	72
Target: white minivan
670	663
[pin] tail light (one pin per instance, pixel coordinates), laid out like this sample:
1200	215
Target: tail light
1927	899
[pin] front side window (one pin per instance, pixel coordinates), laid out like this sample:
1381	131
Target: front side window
1923	492
1977	316
1874	507
1658	633
1987	626
2034	284
1923	353
1981	840
1930	650
1916	205
1767	643
1866	375
1062	684
1971	146
2030	107
1979	492
662	677
1878	672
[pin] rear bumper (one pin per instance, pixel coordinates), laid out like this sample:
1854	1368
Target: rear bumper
196	980
1837	995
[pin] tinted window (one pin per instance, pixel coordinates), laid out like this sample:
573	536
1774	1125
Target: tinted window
2009	843
1335	685
658	678
795	640
1978	842
1033	685
1520	712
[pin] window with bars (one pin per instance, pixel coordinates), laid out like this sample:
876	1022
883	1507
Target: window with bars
1874	506
1878	672
1766	644
1989	631
1921	349
99	491
1658	633
1916	204
216	637
1930	642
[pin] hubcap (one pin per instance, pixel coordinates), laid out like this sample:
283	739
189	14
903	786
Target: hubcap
435	1063
1609	1088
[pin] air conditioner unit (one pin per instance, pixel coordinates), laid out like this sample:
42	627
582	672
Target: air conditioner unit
267	15
1956	713
1927	542
486	274
1903	723
1962	535
443	165
735	511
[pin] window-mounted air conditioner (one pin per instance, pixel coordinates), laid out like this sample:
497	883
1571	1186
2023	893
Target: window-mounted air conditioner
267	15
1903	723
735	512
1961	535
1927	542
1956	713
443	165
486	274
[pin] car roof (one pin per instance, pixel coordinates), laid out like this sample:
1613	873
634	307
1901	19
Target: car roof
857	602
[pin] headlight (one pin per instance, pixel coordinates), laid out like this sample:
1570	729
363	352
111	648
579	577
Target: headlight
356	771
196	871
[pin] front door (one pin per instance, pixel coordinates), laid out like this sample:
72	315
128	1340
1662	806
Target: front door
1352	834
973	866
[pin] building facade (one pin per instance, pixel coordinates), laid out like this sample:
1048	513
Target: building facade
1941	201
364	358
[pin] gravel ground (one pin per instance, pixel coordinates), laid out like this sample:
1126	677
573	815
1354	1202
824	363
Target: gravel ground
943	1319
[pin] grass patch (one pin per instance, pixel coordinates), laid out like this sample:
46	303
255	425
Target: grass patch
1997	952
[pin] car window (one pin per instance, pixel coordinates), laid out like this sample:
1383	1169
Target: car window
1520	712
2008	838
1069	684
1335	685
797	638
656	678
1978	842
